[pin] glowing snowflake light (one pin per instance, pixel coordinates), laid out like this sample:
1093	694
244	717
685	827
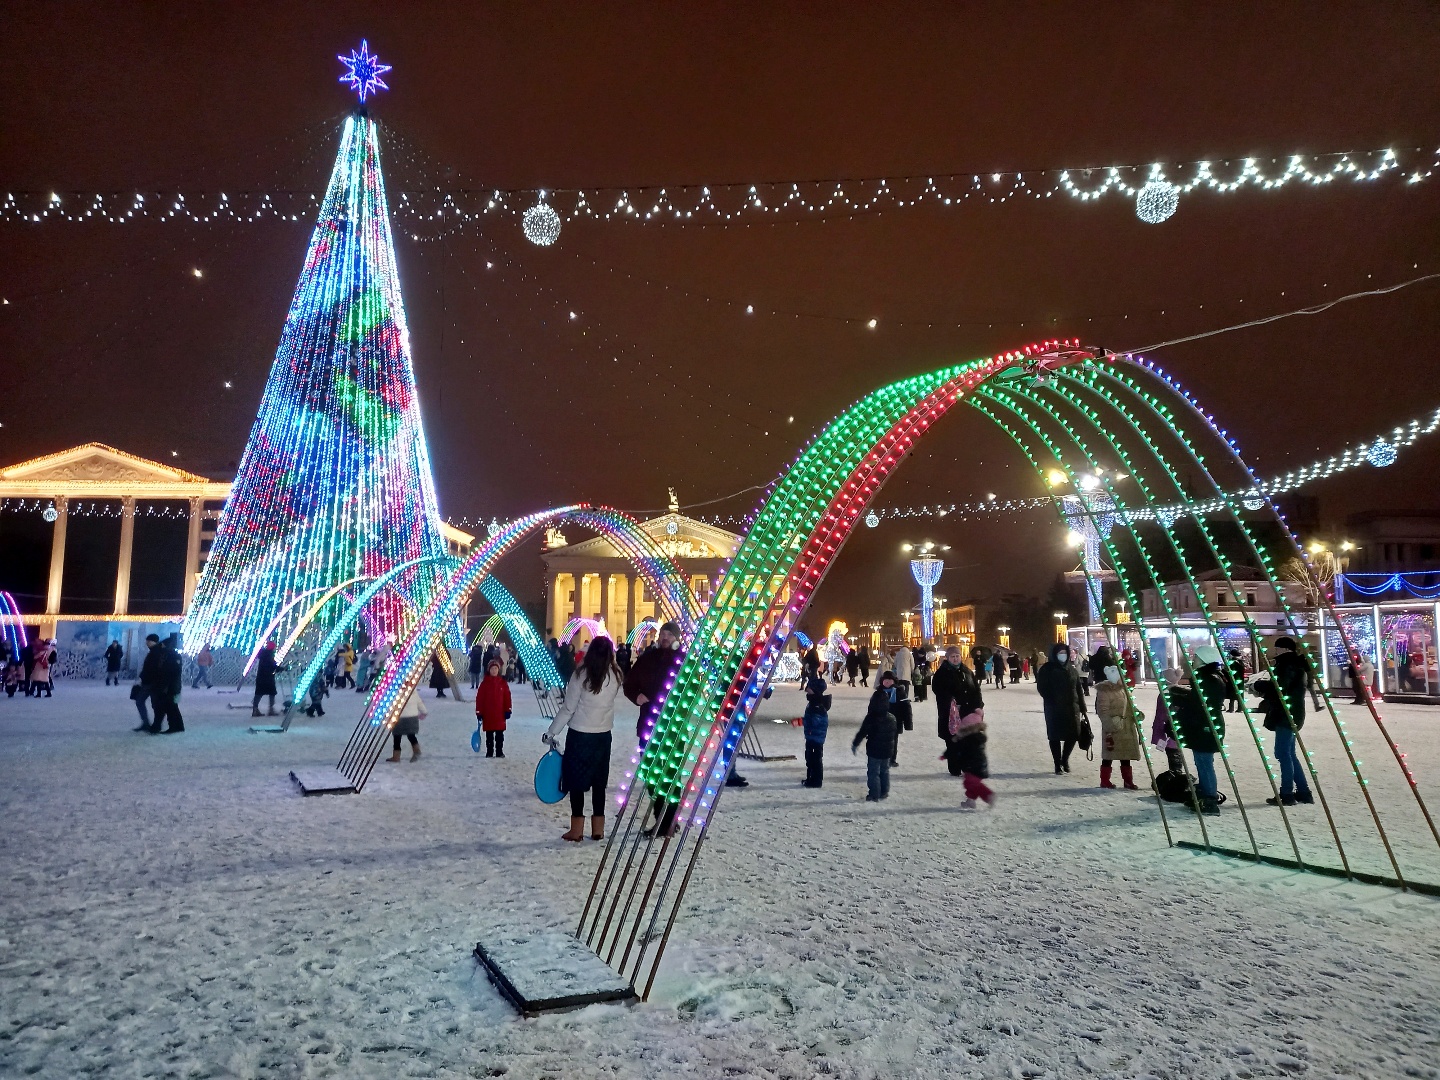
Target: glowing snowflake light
872	519
1156	201
541	225
365	71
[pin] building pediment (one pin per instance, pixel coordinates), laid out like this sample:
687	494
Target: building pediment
97	462
678	536
97	469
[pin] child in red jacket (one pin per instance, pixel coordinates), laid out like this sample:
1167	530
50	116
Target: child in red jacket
492	708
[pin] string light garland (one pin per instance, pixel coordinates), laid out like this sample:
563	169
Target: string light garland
99	509
335	482
1381	451
1161	185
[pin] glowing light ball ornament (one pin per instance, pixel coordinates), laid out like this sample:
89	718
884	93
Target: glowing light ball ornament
1157	201
1381	453
335	481
541	224
872	519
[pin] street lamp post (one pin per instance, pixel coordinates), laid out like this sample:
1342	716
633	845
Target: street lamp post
1062	631
926	569
1004	636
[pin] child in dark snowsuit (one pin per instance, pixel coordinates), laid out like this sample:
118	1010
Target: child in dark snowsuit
878	733
817	723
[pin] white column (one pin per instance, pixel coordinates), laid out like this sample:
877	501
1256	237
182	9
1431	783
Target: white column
57	557
1379	651
192	551
127	549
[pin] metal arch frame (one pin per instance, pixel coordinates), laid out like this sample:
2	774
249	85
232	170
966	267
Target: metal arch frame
402	675
578	623
698	761
331	640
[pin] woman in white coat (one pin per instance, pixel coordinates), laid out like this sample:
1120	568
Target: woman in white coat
589	713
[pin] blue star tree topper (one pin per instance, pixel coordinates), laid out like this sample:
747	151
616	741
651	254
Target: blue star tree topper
365	71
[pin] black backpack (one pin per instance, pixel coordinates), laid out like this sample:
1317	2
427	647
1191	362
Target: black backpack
1172	787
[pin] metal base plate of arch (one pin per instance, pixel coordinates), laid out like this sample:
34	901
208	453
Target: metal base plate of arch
548	971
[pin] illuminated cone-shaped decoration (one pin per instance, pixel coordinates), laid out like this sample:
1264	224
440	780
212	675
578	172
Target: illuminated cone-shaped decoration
335	482
926	571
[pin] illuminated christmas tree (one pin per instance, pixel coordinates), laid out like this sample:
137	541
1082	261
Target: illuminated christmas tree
335	482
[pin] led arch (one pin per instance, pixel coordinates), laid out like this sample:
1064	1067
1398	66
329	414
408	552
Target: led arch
407	665
799	529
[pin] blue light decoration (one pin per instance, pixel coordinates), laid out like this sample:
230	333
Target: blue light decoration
1381	453
1092	517
15	634
926	571
365	71
335	483
1424	585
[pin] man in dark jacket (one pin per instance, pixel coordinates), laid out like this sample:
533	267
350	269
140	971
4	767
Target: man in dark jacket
1059	685
954	682
149	680
1283	703
1198	713
877	731
165	695
651	670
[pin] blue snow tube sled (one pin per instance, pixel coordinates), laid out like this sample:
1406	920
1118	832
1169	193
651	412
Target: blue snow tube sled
475	739
547	777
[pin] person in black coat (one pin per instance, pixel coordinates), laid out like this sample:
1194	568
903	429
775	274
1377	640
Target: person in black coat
1283	703
877	731
954	682
114	653
149	680
439	681
265	669
1059	685
1198	715
651	670
476	664
165	696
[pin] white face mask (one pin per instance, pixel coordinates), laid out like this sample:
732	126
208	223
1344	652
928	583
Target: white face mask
1062	657
1112	674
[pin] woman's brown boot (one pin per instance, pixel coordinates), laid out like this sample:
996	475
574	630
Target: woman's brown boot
577	829
597	827
415	753
394	757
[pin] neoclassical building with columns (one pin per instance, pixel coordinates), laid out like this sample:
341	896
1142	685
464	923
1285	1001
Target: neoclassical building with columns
99	545
593	580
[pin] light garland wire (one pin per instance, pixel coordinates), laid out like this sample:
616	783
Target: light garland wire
728	202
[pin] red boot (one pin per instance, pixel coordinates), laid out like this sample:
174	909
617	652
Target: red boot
1105	777
1128	776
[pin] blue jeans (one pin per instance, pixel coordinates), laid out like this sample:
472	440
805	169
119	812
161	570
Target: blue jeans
1292	773
1205	775
203	673
877	777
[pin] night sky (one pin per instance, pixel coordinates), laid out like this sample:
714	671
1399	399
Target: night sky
661	379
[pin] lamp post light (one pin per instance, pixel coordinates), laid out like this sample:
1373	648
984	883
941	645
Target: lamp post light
1004	636
1062	631
926	569
1122	613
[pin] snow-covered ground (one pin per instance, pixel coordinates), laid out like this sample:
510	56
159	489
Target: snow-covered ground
173	907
